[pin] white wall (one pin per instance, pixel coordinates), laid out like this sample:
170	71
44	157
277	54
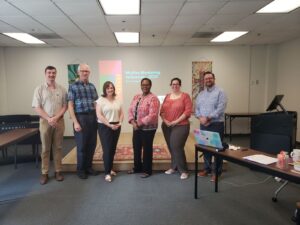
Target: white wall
3	106
288	76
235	67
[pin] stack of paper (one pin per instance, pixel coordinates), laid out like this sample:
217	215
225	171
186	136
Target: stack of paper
263	159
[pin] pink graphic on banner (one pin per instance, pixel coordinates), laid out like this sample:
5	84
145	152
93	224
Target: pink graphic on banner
111	70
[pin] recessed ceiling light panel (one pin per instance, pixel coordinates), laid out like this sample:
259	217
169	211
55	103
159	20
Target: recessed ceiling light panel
121	7
228	36
280	6
127	37
24	37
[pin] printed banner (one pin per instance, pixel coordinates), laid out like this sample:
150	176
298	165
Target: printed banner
198	69
72	73
111	70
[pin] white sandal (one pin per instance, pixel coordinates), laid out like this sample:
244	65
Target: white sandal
169	171
184	176
107	178
113	173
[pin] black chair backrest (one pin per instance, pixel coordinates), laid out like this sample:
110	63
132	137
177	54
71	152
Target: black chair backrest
21	118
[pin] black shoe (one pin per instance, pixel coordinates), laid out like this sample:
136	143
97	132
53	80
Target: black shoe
92	172
145	175
132	171
82	175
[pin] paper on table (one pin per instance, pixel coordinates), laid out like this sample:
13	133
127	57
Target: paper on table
234	147
263	159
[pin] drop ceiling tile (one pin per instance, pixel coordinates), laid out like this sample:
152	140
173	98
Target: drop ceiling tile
4	27
25	24
7	9
88	20
155	29
192	19
67	1
214	28
104	40
113	20
225	19
205	7
97	30
151	39
80	41
152	20
244	7
186	30
254	21
37	8
161	8
60	25
75	8
166	1
58	42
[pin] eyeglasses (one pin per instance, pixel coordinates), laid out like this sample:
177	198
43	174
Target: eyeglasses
84	71
175	84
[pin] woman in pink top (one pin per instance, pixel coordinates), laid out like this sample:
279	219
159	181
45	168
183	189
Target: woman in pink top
143	116
175	112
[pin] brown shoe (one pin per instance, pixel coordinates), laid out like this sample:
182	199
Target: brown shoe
59	176
202	173
44	179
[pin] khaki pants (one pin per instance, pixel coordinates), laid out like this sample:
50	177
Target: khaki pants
51	136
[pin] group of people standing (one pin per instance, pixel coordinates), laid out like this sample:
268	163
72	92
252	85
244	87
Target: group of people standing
86	108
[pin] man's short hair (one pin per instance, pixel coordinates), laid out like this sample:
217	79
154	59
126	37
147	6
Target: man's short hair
50	68
208	72
78	69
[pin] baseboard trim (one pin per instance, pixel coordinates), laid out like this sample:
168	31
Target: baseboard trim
237	135
68	137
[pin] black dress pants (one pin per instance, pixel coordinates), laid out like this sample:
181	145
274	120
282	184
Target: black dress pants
109	139
143	139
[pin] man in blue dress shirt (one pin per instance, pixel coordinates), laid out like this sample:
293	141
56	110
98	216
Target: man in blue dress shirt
82	96
210	109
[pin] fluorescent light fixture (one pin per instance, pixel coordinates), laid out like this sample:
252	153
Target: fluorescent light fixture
127	37
280	6
121	7
228	36
24	37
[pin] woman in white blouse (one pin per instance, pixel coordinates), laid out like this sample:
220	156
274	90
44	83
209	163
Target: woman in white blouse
110	116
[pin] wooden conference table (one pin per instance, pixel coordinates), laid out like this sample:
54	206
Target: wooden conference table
232	116
237	157
13	137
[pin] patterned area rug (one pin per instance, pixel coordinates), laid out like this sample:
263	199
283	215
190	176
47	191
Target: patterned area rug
125	152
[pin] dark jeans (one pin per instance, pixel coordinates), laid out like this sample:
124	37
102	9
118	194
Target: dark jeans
109	139
86	141
215	127
143	139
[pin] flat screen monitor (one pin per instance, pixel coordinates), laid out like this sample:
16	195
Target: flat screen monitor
275	103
